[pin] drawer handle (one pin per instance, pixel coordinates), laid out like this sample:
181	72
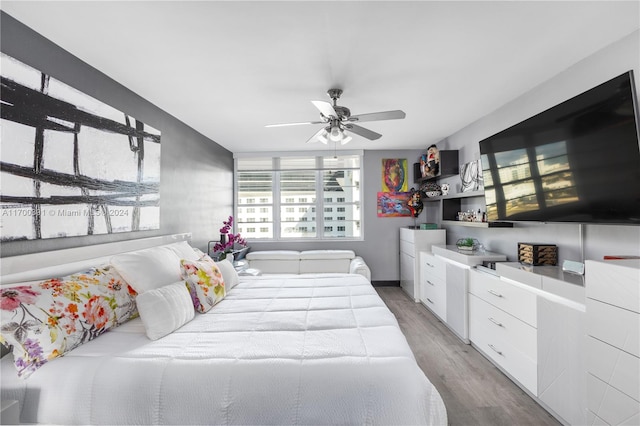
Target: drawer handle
430	265
499	324
429	300
429	282
495	293
494	348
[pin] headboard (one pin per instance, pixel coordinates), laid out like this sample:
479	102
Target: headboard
58	263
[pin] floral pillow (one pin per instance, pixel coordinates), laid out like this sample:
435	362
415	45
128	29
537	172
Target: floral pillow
45	320
204	281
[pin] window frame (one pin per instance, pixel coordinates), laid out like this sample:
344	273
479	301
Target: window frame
319	203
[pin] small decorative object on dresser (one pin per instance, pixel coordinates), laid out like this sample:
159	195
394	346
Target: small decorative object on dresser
444	188
468	244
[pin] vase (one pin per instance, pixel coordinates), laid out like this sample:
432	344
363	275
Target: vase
223	239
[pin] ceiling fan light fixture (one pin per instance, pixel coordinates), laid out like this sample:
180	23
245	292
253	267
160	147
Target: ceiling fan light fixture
323	137
346	140
336	134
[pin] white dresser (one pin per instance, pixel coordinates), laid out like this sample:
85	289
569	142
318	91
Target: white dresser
613	342
530	322
412	242
449	280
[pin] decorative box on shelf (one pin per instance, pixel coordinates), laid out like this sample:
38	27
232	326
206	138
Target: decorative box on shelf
538	254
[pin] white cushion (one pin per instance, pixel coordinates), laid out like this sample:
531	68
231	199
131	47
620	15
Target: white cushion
165	309
148	269
327	254
274	255
229	274
184	251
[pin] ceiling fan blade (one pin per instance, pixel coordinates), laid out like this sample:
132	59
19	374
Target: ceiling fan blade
365	133
294	124
316	137
325	109
376	116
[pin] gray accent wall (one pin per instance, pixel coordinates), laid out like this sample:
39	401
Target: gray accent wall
196	182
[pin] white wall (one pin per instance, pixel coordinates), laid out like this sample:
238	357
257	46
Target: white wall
599	240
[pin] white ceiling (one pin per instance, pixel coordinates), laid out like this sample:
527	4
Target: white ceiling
229	68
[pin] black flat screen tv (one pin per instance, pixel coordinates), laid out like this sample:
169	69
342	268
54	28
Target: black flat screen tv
578	161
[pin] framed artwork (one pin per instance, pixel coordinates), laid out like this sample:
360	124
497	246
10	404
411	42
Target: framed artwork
71	165
394	175
393	204
471	176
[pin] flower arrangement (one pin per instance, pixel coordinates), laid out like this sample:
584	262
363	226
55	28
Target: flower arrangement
228	240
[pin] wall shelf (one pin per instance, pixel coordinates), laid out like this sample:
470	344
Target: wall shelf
448	167
478	224
456	196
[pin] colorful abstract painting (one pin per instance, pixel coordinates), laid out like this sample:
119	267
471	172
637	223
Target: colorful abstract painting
71	165
393	204
394	175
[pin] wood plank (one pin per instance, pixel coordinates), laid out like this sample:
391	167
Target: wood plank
474	390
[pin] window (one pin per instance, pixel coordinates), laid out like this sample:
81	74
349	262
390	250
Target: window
251	210
341	218
291	188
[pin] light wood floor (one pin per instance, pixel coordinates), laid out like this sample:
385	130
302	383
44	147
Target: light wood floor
474	391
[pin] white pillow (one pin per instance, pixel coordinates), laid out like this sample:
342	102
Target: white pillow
165	309
184	251
229	273
148	269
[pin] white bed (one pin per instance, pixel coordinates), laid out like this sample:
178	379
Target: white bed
312	349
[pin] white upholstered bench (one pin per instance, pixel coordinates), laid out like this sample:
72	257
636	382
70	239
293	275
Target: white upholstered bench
308	262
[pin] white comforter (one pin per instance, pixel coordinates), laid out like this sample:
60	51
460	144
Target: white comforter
320	349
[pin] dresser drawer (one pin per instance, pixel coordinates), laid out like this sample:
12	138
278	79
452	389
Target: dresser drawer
520	366
614	282
611	405
407	235
407	247
620	369
519	334
512	299
618	327
433	294
432	265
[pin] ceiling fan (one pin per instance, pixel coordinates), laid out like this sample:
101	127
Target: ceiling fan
338	120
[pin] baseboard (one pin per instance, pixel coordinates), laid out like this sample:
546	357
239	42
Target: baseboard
392	283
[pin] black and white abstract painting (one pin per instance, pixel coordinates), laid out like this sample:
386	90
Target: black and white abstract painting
71	165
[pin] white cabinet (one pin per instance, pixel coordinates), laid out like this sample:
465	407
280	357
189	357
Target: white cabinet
562	381
433	288
412	242
613	346
530	321
455	278
502	324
